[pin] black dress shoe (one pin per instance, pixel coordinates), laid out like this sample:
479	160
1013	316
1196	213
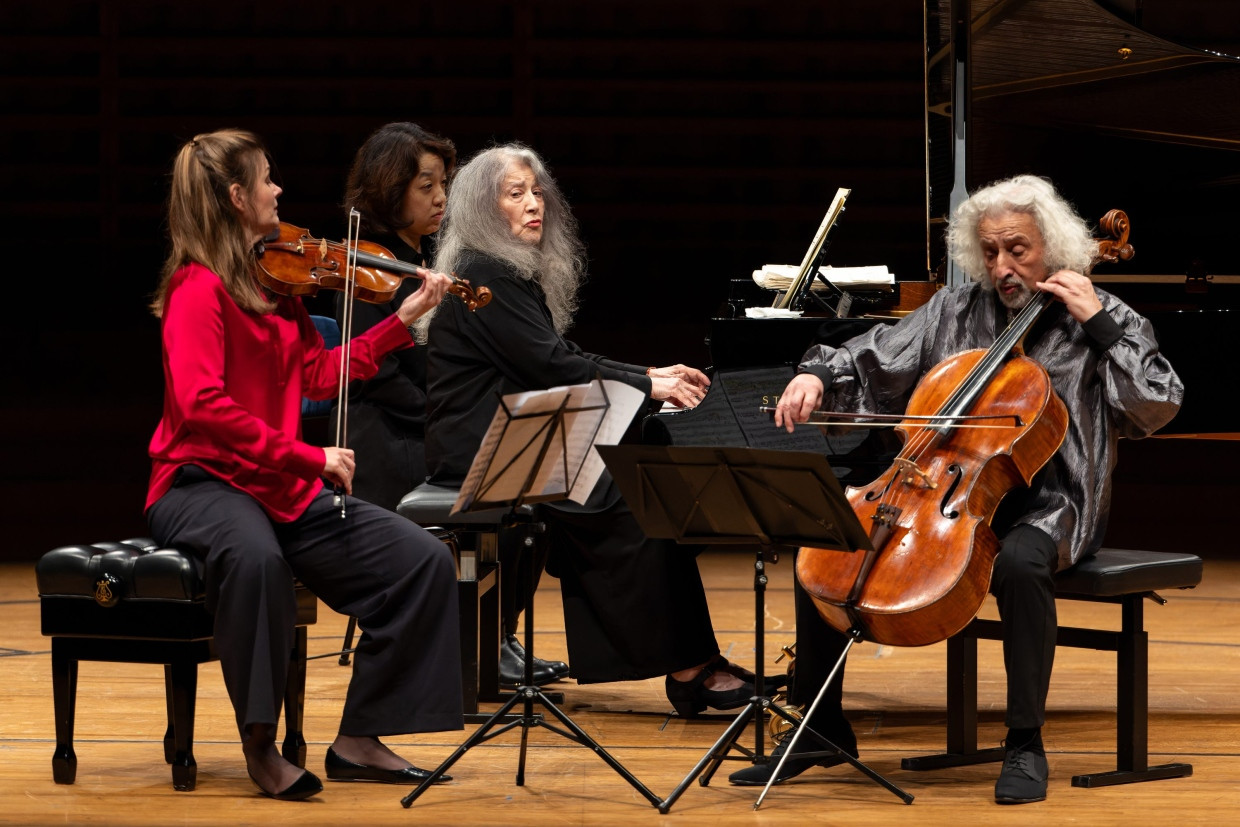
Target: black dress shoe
342	769
512	665
306	785
691	697
801	760
559	667
1023	777
771	683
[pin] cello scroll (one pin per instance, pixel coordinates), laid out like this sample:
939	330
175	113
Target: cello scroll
1115	224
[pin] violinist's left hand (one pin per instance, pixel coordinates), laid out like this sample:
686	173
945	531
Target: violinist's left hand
691	376
1075	291
426	297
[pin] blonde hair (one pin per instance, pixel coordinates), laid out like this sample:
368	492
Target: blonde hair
203	224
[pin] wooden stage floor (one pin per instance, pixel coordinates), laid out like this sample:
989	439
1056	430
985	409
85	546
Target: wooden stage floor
895	698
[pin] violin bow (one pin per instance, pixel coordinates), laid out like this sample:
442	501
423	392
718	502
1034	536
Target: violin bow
346	344
861	420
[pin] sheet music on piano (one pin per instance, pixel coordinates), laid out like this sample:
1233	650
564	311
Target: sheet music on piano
809	263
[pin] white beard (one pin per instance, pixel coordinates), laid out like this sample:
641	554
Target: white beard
1017	300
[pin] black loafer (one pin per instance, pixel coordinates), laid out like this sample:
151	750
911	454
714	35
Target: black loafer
759	774
771	683
557	667
306	785
691	697
342	769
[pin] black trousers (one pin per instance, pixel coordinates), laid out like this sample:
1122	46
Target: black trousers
518	561
397	579
1023	585
634	608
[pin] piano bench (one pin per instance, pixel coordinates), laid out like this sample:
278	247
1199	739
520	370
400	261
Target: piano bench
474	540
133	602
1111	576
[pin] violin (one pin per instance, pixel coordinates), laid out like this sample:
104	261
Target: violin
291	262
295	263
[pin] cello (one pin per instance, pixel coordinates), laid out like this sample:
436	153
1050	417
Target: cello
928	569
932	548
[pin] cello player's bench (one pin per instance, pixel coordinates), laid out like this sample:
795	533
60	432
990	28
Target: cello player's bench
1111	576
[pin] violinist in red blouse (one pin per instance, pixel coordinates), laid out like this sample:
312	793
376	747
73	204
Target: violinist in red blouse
234	484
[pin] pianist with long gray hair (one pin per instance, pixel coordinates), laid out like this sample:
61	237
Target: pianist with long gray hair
634	607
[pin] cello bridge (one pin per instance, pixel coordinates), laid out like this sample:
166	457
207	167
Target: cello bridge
912	473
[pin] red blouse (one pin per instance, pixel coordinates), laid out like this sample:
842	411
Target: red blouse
234	381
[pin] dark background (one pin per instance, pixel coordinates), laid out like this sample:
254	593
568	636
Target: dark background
696	141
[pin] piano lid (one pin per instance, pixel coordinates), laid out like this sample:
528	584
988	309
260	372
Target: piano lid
1071	63
1154	131
1114	114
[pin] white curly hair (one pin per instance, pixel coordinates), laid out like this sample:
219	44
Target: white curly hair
1068	244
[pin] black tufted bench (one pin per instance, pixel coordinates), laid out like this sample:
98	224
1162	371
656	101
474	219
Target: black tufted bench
1111	576
132	602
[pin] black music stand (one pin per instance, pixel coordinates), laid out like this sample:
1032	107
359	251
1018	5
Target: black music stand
528	457
746	496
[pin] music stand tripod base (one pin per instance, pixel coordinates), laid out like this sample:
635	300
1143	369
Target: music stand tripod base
528	694
743	496
854	635
710	763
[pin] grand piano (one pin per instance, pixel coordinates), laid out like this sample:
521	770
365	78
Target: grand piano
1096	96
1125	104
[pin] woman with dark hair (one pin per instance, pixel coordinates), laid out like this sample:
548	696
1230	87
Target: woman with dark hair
399	185
233	483
634	608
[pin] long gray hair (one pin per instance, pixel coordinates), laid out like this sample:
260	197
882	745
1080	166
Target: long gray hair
473	221
1066	236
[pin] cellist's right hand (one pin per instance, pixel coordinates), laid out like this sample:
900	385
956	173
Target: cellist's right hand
802	397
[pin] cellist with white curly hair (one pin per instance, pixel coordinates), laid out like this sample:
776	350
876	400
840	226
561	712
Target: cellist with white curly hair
1014	239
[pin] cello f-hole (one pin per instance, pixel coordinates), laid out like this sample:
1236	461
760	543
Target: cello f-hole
956	473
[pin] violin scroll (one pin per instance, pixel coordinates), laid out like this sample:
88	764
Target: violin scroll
473	297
